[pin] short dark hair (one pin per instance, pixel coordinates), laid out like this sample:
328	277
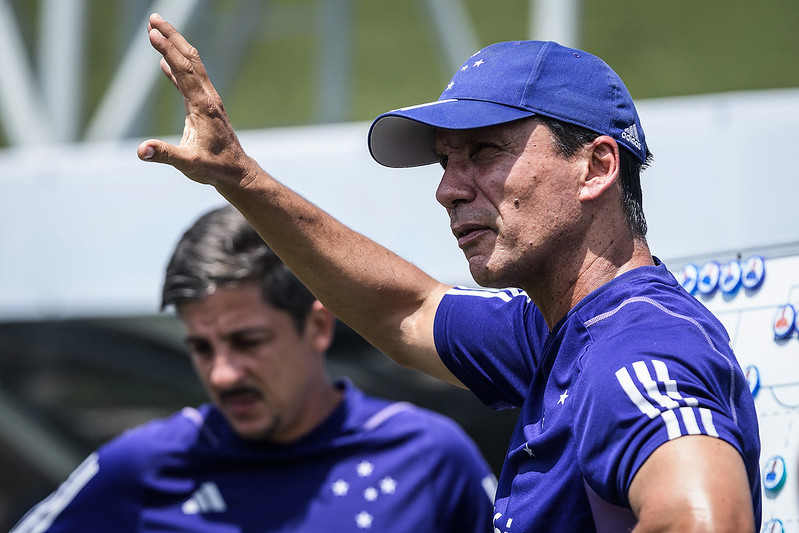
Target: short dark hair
222	249
569	138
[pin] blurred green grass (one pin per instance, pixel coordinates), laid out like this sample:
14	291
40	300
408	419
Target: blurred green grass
660	48
671	48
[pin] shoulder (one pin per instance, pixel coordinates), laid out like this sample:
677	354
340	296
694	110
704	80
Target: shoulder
651	288
139	448
482	302
490	339
653	314
658	335
181	426
446	460
510	307
430	432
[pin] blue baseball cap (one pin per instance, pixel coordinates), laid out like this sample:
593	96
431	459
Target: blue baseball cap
509	81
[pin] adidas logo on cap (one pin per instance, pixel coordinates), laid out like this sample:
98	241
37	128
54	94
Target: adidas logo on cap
630	134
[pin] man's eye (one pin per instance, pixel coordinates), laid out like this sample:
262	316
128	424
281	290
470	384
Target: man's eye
484	150
199	349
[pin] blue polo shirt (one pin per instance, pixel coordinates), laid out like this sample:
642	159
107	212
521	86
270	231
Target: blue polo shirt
636	363
371	466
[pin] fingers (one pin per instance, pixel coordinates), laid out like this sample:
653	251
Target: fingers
181	62
168	72
168	31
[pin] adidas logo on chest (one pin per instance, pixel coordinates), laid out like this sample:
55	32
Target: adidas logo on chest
206	499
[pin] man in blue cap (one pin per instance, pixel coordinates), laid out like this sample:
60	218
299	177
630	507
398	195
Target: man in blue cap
634	413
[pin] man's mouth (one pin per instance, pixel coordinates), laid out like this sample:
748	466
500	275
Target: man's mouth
239	401
468	233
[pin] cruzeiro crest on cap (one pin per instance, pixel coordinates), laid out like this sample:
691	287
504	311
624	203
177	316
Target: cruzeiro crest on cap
630	134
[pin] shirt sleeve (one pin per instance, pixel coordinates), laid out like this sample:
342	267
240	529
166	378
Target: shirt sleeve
82	502
491	341
640	391
108	491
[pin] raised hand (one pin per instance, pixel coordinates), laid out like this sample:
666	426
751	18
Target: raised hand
209	151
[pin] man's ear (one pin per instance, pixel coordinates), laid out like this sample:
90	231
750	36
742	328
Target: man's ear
320	325
603	167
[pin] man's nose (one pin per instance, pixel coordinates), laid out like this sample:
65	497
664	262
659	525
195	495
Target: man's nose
455	186
225	371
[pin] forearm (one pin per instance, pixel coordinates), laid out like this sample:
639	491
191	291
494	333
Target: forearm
388	300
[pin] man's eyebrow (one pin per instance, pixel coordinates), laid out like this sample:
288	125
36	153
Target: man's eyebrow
234	333
463	137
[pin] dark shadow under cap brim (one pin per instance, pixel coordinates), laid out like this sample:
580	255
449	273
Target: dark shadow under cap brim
406	137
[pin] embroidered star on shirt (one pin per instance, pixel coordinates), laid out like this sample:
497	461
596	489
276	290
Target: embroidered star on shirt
365	468
364	520
341	487
388	485
563	397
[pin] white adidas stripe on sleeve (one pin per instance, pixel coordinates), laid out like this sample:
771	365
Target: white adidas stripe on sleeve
671	407
42	516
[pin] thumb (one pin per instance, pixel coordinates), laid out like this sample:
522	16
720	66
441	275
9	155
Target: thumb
153	150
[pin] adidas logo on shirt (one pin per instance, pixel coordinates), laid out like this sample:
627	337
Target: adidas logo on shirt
206	499
630	134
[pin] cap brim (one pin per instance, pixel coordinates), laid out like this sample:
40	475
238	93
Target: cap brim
406	137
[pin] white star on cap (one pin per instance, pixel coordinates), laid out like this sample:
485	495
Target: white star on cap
388	485
364	520
341	487
365	469
450	85
464	67
478	63
370	494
